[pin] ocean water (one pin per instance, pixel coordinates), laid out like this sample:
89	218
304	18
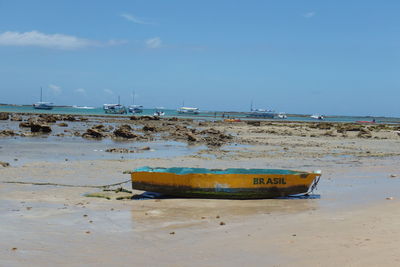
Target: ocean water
204	115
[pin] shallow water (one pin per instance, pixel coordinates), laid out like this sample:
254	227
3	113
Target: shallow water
56	149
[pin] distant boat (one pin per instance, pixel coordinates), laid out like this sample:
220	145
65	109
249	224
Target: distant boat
41	104
317	117
227	183
281	115
188	110
114	109
83	107
159	111
261	113
135	108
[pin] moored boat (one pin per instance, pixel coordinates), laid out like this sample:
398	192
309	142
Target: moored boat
228	183
135	109
317	117
261	113
114	109
159	111
188	110
41	104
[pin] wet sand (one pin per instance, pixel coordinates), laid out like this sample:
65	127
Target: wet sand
351	220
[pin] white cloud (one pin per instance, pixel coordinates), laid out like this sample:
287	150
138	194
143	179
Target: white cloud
153	42
55	41
135	19
108	91
81	91
35	38
309	14
55	89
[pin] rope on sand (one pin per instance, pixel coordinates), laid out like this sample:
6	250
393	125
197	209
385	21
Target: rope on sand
66	185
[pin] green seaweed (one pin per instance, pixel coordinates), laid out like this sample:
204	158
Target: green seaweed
98	195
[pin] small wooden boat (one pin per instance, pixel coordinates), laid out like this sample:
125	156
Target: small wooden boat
228	183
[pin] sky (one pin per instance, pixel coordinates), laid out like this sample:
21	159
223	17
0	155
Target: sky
327	57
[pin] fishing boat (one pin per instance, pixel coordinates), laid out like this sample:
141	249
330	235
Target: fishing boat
114	109
159	111
261	113
227	183
281	115
317	117
135	109
41	104
188	110
83	107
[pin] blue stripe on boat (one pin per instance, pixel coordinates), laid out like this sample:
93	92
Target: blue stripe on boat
178	170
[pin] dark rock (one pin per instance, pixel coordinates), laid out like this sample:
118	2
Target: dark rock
254	123
191	137
353	127
68	118
125	132
329	133
99	127
42	128
7	132
4	116
119	150
4	164
16	118
25	124
324	126
148	128
125	126
210	131
63	124
364	133
92	133
149	118
48	118
104	128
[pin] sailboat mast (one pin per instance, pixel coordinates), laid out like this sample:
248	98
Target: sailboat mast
118	100
41	94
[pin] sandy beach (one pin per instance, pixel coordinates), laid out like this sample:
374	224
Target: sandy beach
47	176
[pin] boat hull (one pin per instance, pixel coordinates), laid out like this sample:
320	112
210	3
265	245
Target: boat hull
224	185
43	107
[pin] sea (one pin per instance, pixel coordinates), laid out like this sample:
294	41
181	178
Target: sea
203	115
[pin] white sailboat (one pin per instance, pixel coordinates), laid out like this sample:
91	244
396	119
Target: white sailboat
135	108
41	104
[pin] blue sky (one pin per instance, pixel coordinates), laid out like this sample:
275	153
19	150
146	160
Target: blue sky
340	57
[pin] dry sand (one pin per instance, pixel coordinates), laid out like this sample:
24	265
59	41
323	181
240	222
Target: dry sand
353	222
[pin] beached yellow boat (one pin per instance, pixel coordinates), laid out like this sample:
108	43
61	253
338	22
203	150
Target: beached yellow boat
228	183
